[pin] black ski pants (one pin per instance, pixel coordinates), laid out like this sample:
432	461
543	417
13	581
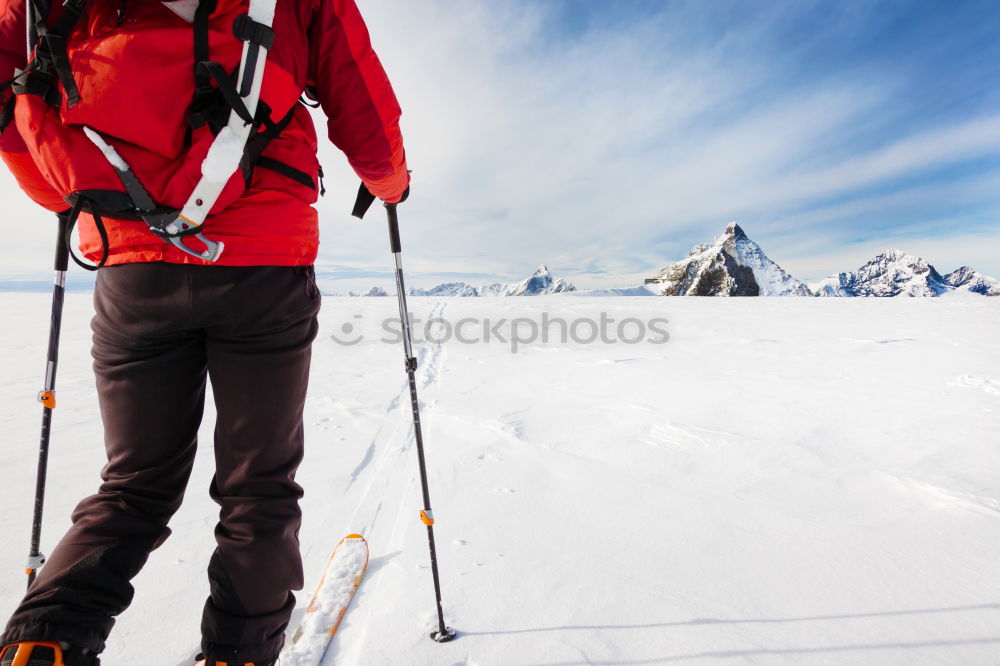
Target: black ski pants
161	330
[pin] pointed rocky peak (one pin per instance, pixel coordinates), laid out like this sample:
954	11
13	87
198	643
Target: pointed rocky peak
736	231
374	291
733	265
961	276
541	282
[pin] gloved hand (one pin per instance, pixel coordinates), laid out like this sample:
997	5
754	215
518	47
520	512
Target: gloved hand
366	199
403	197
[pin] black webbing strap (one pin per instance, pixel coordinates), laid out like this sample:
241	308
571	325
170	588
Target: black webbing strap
40	85
56	46
51	58
228	89
7	113
257	35
285	170
202	81
52	52
255	147
74	215
41	16
258	143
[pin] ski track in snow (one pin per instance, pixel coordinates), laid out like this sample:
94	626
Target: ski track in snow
947	498
670	435
389	483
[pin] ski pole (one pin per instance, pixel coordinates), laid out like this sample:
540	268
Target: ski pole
47	396
443	633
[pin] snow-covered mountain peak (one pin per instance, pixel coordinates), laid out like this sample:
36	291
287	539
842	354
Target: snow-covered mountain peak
894	272
733	265
961	275
968	279
541	282
736	232
896	254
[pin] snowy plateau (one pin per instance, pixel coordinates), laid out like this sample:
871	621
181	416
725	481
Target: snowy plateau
783	481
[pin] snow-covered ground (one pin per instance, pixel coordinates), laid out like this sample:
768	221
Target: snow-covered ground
804	481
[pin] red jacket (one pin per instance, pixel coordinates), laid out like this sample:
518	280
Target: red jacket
136	86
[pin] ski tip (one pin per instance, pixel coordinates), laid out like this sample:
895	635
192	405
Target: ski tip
354	537
444	636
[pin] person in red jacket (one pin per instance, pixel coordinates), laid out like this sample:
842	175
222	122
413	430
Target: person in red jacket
167	321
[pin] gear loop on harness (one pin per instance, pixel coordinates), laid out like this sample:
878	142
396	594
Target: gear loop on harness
79	205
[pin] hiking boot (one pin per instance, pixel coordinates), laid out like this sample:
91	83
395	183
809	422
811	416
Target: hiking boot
45	653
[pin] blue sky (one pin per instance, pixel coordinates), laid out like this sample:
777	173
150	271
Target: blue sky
607	138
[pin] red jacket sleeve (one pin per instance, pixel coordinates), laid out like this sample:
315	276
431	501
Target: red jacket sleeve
362	111
13	47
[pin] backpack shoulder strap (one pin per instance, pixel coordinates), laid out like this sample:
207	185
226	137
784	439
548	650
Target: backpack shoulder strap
227	150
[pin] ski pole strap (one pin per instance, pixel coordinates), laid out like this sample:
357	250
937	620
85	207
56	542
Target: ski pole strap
363	202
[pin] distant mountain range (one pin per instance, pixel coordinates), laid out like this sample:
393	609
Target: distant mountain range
896	273
541	282
734	265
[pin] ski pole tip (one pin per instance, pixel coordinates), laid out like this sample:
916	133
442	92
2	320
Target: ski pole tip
444	636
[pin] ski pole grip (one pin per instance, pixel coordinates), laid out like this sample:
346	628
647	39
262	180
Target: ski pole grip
62	242
394	243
